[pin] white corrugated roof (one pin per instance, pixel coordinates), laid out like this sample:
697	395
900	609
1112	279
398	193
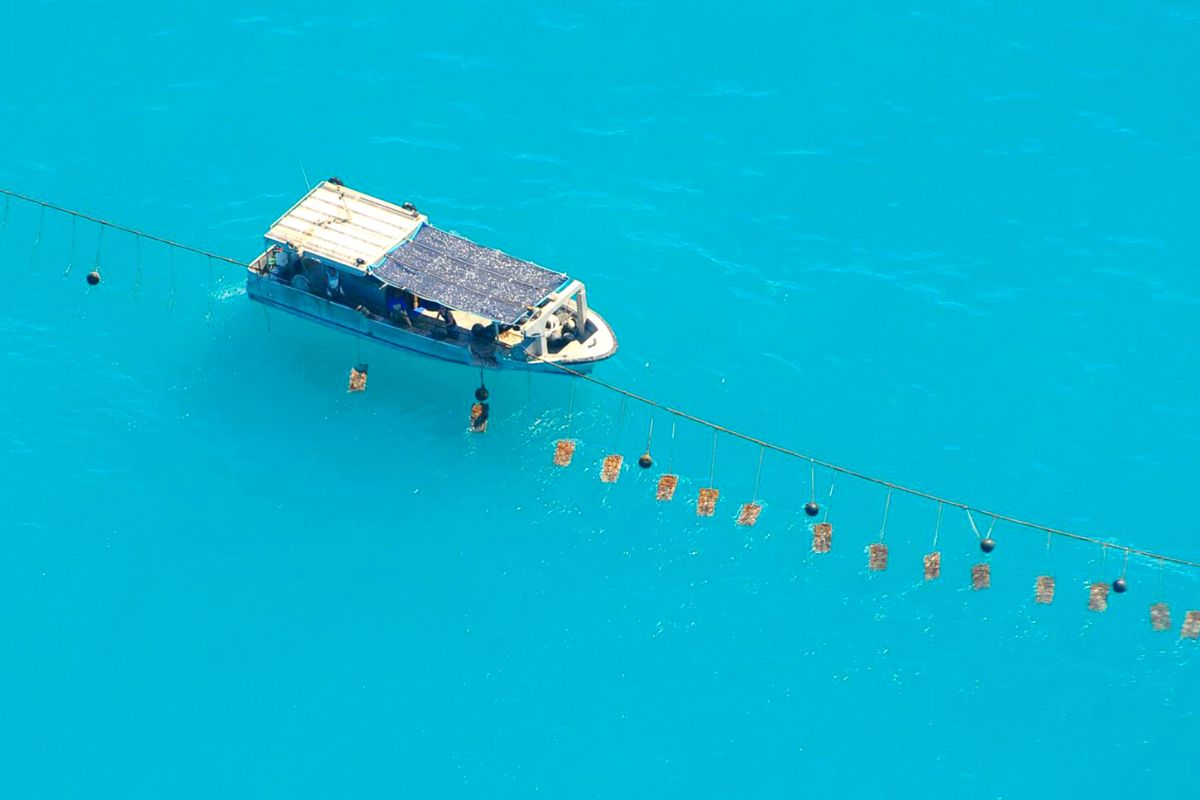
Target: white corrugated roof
344	226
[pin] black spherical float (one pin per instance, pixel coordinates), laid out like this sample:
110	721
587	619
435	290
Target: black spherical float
93	277
481	394
987	545
645	461
1119	586
812	509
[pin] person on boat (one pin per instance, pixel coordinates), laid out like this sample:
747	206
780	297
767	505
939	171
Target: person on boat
399	307
333	284
447	318
366	312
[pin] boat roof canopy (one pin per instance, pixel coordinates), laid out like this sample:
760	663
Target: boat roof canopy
398	246
343	226
466	277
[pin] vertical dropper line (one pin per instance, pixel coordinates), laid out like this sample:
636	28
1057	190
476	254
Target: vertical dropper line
37	238
971	520
571	406
712	466
762	452
137	275
99	247
71	259
887	504
171	269
671	448
208	317
937	527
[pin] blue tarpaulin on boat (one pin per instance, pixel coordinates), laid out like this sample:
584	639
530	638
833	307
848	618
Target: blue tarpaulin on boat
458	273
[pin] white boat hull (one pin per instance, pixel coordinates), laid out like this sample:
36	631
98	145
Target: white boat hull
278	295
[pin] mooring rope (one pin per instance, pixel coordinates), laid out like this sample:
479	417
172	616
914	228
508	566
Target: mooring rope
787	451
80	215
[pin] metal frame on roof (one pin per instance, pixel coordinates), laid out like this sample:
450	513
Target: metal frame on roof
343	226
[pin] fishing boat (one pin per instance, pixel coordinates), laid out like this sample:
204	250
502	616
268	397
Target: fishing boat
374	269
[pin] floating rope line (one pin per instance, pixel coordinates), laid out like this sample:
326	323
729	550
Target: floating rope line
105	223
715	427
996	516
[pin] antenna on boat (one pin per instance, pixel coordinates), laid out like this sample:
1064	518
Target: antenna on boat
305	174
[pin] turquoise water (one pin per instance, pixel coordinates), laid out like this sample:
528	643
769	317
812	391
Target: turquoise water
951	244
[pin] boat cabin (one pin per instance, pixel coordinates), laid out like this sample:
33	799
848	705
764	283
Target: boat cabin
381	270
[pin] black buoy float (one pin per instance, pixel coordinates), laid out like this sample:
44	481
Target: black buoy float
812	509
987	545
1119	586
645	461
93	277
481	394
